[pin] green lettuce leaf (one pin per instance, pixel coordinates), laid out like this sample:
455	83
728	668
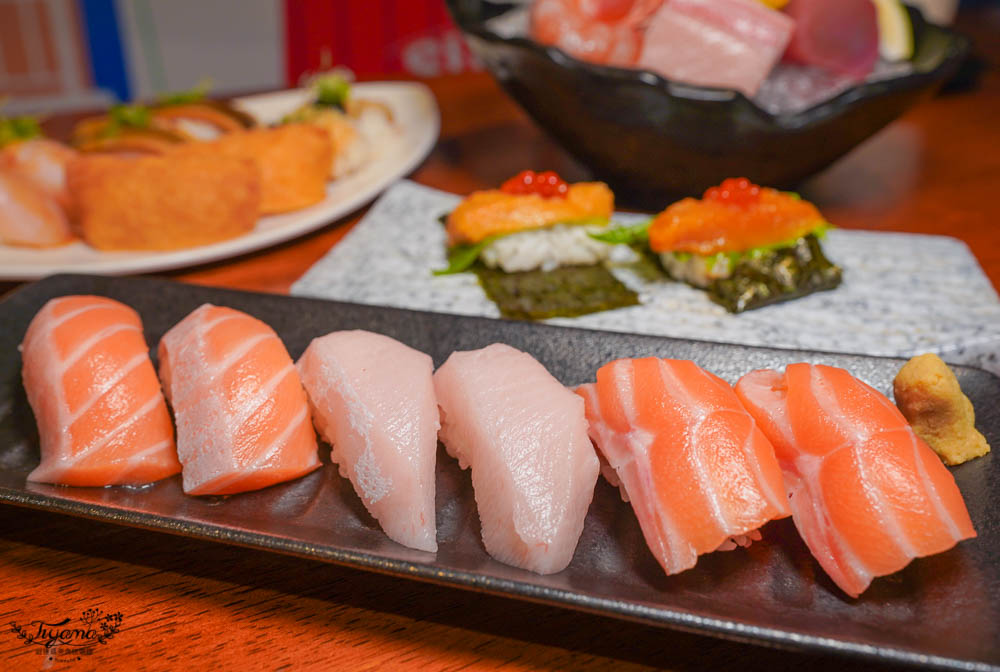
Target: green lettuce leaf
13	129
194	95
332	90
462	257
624	235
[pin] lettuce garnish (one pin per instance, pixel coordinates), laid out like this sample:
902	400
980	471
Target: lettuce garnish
14	129
635	234
462	257
193	95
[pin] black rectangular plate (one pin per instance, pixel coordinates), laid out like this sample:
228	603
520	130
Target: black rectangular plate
939	612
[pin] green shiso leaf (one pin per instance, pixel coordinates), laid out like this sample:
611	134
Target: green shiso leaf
624	235
13	129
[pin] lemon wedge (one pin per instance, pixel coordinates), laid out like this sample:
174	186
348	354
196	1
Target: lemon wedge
774	4
895	33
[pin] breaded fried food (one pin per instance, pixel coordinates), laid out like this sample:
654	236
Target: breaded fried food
929	396
294	162
166	202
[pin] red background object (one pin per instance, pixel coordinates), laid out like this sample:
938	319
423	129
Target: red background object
373	37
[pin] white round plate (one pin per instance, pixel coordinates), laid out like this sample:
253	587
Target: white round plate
418	122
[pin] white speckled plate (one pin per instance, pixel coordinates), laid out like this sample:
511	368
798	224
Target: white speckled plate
902	294
417	119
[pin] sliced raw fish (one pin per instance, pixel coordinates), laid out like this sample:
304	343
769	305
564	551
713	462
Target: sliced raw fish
29	217
837	35
372	399
525	437
241	413
721	43
599	31
699	473
101	415
867	494
43	162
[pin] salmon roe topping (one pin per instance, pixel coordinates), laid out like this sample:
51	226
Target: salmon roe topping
546	184
738	191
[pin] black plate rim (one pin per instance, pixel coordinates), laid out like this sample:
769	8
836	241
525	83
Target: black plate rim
678	619
730	629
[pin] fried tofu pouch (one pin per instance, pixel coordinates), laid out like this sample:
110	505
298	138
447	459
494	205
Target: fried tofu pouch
930	398
294	162
166	202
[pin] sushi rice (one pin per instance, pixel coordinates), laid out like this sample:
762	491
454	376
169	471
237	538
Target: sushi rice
546	249
697	269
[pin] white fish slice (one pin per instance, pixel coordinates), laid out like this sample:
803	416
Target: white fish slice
525	437
373	400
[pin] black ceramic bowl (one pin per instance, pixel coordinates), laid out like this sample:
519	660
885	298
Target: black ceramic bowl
649	137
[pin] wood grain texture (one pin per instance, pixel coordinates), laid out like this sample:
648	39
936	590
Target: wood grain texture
189	604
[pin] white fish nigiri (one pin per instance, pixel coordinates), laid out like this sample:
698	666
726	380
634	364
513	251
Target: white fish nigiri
372	399
525	437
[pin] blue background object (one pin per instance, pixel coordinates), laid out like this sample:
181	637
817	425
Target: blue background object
107	58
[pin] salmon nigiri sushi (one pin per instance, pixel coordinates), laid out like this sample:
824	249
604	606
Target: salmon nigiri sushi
867	494
699	473
525	437
241	413
101	415
373	400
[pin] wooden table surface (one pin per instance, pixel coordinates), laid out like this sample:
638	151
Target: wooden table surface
201	605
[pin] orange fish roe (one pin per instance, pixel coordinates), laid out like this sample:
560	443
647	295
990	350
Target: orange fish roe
734	191
495	212
546	184
733	217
